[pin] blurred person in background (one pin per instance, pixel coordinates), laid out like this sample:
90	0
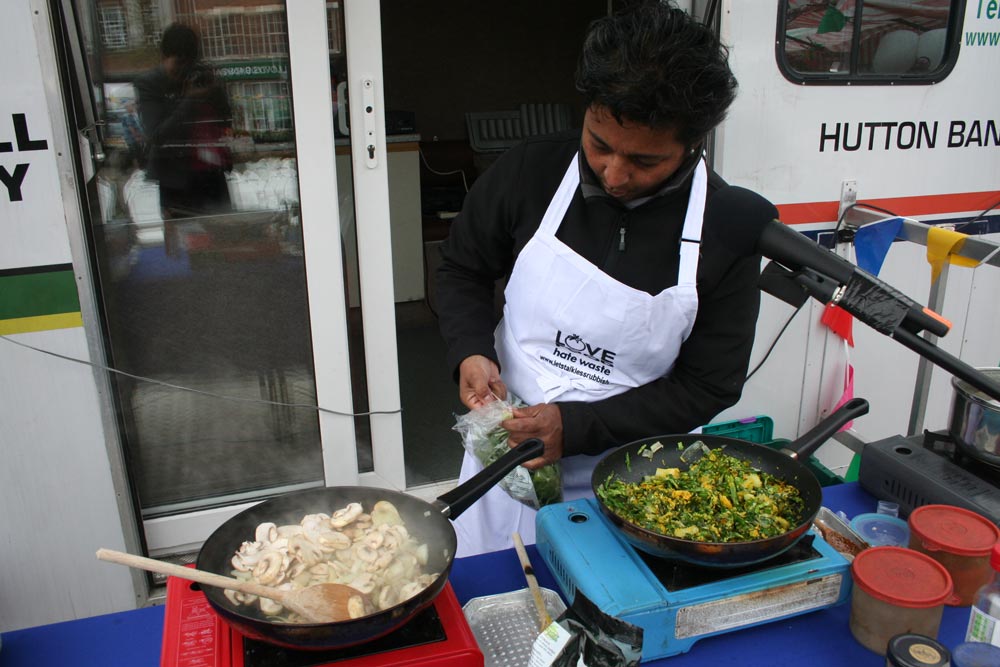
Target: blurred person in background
186	120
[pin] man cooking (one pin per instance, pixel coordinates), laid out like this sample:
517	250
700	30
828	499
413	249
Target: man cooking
623	317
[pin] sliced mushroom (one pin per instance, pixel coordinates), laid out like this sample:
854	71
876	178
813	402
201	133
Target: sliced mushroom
381	562
288	530
385	513
314	521
237	597
363	583
410	589
323	570
387	598
374	539
346	515
304	549
296	568
270	607
356	606
332	540
266	532
374	553
268	569
400	531
365	553
244	563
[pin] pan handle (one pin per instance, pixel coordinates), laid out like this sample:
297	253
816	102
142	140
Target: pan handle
461	497
802	447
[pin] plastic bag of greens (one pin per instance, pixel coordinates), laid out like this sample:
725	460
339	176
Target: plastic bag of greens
483	437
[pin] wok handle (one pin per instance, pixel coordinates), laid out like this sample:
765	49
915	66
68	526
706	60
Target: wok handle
462	496
802	447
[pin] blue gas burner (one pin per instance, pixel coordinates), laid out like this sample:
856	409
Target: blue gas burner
677	604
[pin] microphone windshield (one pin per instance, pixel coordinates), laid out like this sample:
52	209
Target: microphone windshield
737	217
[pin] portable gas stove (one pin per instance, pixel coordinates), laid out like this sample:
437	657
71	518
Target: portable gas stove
195	636
677	604
929	469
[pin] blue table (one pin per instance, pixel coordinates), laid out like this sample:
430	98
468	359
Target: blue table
133	638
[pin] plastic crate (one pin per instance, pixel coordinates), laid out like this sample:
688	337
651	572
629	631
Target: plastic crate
760	430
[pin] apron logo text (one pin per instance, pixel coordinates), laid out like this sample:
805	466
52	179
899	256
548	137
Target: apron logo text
577	346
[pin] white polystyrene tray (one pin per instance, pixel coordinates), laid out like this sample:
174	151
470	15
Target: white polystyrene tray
506	625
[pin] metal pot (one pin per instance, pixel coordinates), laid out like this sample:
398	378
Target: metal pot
974	422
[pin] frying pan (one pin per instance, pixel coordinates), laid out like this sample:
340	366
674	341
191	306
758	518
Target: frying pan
625	463
428	522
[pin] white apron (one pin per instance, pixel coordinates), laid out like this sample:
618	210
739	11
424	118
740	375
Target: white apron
570	332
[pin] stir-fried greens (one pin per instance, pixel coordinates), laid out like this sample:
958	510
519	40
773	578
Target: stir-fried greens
718	499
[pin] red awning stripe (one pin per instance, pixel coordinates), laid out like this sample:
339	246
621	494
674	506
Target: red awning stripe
826	211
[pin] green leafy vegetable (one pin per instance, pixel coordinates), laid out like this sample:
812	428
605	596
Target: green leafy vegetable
546	481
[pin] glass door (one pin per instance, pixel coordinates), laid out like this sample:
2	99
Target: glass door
222	207
452	69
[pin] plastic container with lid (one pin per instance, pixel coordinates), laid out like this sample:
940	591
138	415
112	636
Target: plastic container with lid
896	591
975	654
959	539
881	530
887	507
910	650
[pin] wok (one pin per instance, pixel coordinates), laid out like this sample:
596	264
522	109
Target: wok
428	522
626	463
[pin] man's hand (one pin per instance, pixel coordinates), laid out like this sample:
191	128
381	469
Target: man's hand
543	421
479	382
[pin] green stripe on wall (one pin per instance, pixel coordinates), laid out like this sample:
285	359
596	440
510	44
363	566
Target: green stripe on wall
38	294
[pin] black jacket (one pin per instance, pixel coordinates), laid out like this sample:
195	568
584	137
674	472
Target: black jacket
502	212
170	122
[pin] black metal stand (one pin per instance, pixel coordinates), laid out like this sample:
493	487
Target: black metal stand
823	289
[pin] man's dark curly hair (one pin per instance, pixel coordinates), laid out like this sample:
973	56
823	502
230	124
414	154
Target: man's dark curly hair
180	40
655	65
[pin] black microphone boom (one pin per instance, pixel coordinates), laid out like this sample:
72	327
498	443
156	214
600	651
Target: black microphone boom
748	223
822	288
874	302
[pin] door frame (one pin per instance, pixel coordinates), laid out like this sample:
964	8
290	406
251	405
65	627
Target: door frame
309	67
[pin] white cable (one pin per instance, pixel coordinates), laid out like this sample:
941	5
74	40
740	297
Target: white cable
423	159
200	391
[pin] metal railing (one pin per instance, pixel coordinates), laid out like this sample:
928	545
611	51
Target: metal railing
974	248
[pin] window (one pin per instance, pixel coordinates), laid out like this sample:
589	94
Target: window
262	109
111	19
273	34
244	34
868	41
223	36
152	24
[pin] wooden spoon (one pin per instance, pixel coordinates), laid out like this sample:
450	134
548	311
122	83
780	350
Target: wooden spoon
320	603
544	620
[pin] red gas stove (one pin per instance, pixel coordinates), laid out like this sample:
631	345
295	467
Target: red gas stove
195	636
